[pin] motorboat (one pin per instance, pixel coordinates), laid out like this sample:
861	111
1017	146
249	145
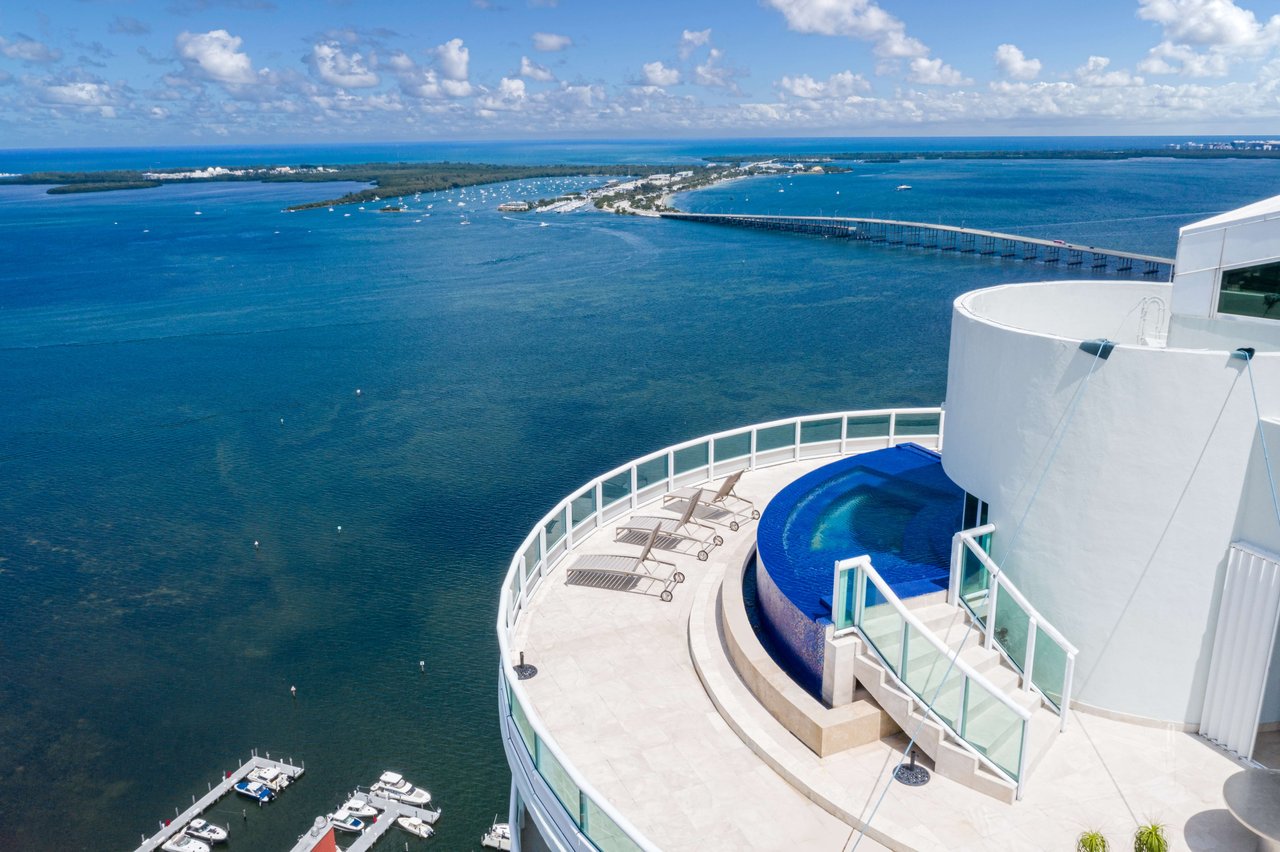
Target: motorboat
206	831
903	187
271	776
360	808
183	843
255	790
498	836
344	821
415	826
393	785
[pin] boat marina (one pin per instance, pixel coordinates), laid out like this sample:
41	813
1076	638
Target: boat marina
281	774
391	812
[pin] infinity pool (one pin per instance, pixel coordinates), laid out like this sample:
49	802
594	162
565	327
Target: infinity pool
895	505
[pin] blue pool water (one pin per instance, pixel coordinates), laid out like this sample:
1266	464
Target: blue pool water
895	505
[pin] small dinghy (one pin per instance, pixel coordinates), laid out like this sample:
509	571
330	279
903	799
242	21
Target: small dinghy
360	808
182	843
392	785
498	836
415	826
206	831
344	821
255	790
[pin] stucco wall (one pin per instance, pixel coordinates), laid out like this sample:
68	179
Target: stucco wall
1124	546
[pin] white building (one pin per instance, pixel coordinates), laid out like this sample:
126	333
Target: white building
1104	648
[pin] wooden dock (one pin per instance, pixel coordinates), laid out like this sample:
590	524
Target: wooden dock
948	238
216	792
390	811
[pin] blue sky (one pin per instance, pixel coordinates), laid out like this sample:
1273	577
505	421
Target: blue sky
173	72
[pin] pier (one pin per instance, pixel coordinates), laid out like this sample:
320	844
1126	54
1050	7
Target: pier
216	792
948	238
390	811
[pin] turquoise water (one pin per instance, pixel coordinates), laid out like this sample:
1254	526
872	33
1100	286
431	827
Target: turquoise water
179	386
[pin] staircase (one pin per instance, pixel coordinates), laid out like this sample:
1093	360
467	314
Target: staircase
992	729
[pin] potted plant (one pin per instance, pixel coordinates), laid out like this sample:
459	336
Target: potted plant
1092	841
1150	838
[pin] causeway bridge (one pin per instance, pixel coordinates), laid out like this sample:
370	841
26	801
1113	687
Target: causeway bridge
948	238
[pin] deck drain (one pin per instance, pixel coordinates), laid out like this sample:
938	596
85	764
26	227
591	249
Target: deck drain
911	774
525	671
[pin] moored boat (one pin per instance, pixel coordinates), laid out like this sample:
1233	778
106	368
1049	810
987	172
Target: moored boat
255	790
393	785
183	843
344	821
271	776
360	808
415	826
206	831
498	836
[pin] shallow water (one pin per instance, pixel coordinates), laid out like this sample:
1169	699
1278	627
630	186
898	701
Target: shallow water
178	387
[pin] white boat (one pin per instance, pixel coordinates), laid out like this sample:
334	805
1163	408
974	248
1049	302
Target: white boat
255	790
206	831
393	785
344	821
360	808
498	836
903	187
183	843
270	776
415	826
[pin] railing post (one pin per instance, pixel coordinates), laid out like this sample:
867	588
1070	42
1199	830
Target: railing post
1029	658
893	426
568	527
902	669
942	416
859	595
671	470
1066	692
753	448
599	503
957	561
1022	759
795	452
964	709
844	435
993	592
634	480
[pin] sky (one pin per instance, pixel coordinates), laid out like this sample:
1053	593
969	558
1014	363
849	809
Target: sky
179	72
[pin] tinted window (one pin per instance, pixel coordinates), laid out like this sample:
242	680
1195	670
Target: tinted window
1253	291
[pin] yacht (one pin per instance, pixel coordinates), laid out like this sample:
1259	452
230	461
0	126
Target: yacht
393	785
1042	597
270	776
415	826
342	820
497	837
206	831
255	790
184	843
903	187
360	808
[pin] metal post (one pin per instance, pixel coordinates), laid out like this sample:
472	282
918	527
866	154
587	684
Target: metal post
1066	692
753	448
795	451
1022	759
993	589
893	426
1029	659
633	486
957	559
964	708
902	670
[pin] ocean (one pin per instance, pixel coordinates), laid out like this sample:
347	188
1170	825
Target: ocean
385	404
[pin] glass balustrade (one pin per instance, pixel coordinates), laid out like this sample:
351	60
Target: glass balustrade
1049	668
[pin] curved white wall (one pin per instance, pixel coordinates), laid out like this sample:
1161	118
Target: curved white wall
1124	547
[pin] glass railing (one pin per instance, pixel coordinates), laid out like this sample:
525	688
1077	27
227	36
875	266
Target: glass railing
634	484
977	713
1031	644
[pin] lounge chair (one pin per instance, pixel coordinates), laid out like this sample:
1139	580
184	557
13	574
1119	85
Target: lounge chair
628	569
724	507
675	531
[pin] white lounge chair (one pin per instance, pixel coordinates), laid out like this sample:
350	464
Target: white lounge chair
724	507
675	531
624	572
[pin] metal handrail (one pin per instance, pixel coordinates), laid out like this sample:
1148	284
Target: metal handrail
996	578
507	618
863	563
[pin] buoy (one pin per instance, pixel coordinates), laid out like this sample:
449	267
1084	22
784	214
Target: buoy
293	690
339	527
357	391
255	543
422	665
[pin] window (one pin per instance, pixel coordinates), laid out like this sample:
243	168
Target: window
1251	291
975	512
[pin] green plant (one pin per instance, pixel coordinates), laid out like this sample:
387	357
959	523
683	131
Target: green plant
1092	841
1150	838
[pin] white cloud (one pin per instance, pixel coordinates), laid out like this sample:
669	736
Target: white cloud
216	56
1169	58
400	62
452	59
711	73
1210	23
1015	65
1095	73
861	19
77	94
337	68
29	50
691	40
511	95
841	85
534	71
551	42
935	72
657	74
